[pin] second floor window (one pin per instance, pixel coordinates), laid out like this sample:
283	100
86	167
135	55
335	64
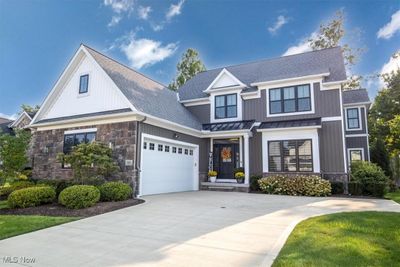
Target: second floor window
290	99
353	120
84	84
225	106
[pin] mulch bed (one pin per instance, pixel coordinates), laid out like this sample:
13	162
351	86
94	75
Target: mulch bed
58	210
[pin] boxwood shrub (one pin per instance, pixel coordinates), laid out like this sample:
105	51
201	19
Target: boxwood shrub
254	186
31	197
79	196
369	178
300	185
115	191
337	188
6	190
58	184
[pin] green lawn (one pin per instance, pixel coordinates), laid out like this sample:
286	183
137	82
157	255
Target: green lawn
344	239
395	196
12	225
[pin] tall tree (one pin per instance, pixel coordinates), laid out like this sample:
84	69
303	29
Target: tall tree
188	67
331	35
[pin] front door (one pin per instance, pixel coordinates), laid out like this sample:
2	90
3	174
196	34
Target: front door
225	159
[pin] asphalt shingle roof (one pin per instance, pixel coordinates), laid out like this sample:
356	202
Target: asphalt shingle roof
309	63
145	94
355	96
4	129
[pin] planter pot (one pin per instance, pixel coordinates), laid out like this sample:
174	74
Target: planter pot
213	179
240	180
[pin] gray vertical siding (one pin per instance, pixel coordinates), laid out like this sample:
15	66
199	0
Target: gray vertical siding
331	147
255	149
327	104
202	112
363	122
165	133
358	142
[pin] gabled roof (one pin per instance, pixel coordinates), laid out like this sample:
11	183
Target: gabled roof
310	63
23	114
355	96
145	94
4	126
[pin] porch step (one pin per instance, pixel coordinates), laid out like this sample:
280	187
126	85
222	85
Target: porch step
221	188
225	187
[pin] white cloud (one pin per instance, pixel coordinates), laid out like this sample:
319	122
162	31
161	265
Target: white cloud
280	21
10	117
144	11
392	65
145	52
174	10
119	7
157	27
301	47
114	21
387	31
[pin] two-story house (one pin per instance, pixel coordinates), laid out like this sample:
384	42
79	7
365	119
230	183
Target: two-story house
283	115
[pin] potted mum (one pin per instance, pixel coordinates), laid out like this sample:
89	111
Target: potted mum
239	176
213	176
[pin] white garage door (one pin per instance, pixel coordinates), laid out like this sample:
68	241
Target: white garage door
167	166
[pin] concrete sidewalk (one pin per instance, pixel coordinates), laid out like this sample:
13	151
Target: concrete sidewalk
183	229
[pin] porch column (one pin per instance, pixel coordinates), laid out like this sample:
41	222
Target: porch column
246	159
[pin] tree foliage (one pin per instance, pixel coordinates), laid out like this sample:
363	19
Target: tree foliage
90	160
188	67
380	155
331	35
13	154
393	138
29	108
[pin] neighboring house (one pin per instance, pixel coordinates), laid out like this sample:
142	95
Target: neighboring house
23	120
5	126
283	115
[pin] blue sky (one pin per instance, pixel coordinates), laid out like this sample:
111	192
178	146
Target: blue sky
37	38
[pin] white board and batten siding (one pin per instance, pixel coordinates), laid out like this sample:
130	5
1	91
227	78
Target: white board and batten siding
101	95
168	166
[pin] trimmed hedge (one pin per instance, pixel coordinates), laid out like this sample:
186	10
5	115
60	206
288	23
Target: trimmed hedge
115	191
300	185
79	196
31	197
58	184
337	188
368	179
7	190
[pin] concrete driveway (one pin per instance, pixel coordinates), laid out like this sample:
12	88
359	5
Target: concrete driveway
183	229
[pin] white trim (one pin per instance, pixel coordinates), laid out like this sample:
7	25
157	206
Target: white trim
338	118
196	179
295	79
251	95
343	134
366	130
239	106
332	85
196	103
87	130
292	135
289	128
14	123
356	135
356	149
246	145
225	71
359	119
357	104
312	111
224	134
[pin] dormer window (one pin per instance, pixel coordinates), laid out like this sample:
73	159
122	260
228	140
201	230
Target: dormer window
226	106
84	84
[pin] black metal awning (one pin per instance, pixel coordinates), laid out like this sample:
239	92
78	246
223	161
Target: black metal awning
290	123
228	126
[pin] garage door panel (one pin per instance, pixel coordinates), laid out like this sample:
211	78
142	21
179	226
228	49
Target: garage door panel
166	171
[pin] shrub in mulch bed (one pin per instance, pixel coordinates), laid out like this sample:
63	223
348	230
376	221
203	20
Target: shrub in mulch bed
79	196
115	191
59	210
8	189
31	196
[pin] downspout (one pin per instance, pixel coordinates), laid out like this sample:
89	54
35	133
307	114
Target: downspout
136	167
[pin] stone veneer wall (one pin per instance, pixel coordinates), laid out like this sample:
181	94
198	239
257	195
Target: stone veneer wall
46	145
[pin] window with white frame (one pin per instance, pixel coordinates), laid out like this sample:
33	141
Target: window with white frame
355	155
353	118
290	99
290	156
